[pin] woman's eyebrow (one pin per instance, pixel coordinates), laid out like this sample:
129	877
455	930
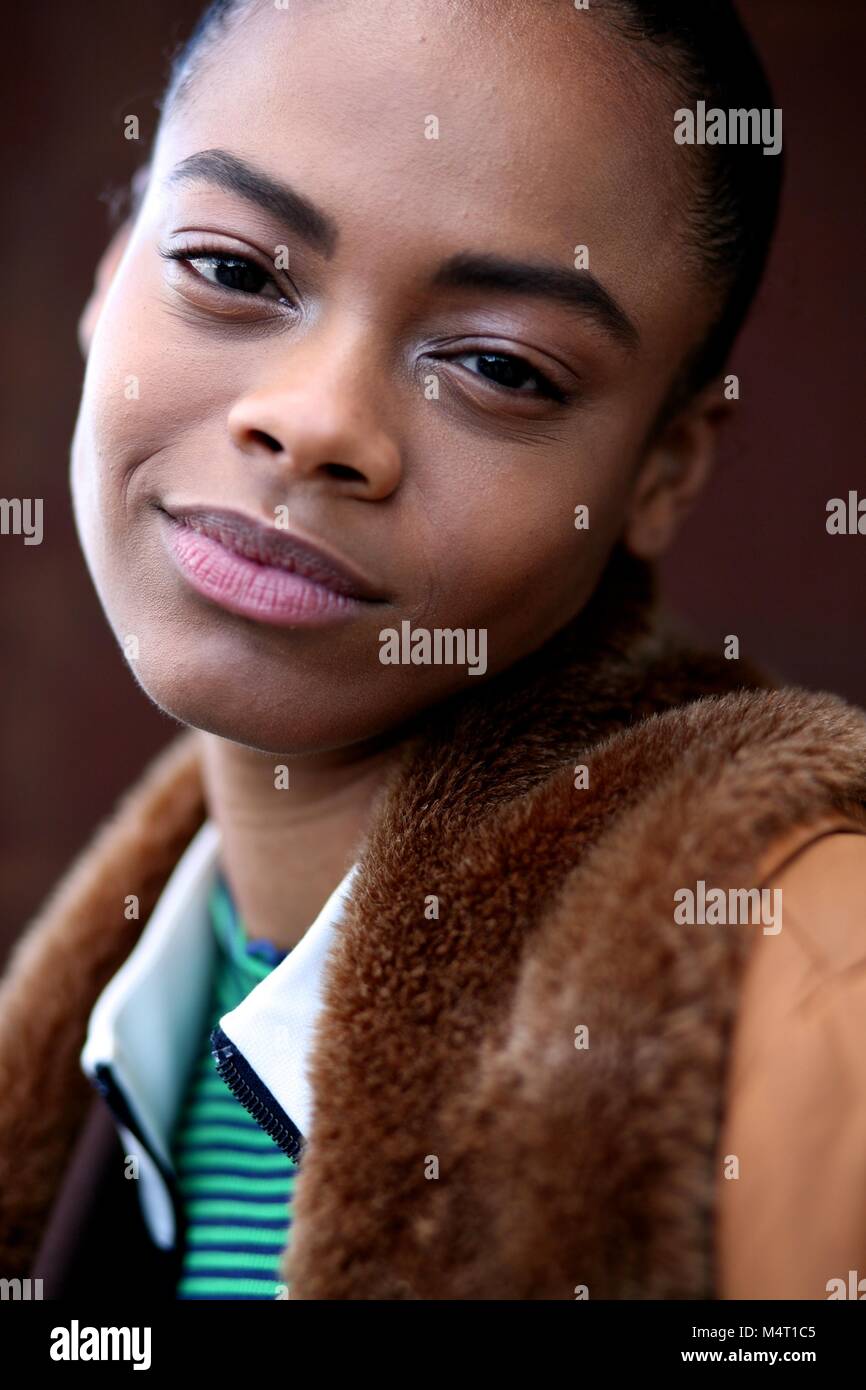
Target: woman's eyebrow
577	289
308	222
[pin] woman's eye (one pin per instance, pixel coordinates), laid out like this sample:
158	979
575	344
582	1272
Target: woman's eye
235	273
511	373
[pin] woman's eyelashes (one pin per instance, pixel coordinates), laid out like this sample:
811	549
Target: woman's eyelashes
228	274
512	374
235	273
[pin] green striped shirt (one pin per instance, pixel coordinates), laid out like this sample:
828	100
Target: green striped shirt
235	1184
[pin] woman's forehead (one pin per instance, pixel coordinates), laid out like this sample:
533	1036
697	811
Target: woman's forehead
525	136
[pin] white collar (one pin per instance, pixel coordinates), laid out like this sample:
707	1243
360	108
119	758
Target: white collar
146	1026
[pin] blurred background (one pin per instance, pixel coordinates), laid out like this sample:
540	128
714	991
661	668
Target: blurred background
755	560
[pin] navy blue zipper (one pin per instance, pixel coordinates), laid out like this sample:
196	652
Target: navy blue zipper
247	1087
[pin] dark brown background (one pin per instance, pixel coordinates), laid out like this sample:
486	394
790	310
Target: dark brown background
755	560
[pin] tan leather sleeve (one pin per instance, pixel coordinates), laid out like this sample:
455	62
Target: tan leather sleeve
795	1118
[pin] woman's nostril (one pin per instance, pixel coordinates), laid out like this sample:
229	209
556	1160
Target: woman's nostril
342	470
260	437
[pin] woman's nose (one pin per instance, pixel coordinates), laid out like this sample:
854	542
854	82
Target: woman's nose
314	422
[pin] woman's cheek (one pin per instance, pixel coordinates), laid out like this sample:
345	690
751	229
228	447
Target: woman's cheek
555	539
151	378
123	414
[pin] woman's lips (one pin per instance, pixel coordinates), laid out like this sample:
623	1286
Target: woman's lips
261	572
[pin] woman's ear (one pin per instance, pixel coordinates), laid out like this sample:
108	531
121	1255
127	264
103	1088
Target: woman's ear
108	263
674	472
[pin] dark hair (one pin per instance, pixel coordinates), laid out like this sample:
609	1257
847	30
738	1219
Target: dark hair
703	51
735	189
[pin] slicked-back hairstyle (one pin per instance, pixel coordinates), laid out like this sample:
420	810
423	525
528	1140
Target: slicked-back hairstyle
735	189
211	23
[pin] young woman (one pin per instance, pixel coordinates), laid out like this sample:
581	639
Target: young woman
478	937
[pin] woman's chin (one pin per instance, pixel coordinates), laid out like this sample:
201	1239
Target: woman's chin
286	723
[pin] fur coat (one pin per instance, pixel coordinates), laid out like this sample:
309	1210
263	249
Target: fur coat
463	1144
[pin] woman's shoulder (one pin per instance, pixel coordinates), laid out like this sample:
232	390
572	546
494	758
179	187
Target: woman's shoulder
792	1165
809	972
820	871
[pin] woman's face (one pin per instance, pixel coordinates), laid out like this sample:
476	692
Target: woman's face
349	311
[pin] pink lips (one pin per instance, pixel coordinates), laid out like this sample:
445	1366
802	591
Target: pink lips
261	572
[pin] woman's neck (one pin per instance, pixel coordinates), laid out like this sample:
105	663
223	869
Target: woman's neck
284	849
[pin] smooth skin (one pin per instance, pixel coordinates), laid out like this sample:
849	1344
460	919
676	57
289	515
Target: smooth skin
310	387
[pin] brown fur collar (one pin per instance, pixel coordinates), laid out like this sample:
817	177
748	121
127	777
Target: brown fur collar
452	1040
